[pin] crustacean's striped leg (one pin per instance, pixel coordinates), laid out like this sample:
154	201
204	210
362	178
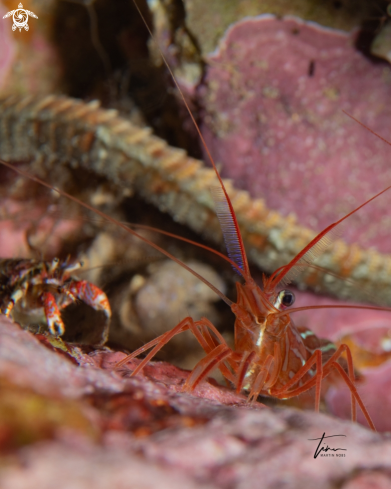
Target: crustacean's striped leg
15	297
90	294
52	313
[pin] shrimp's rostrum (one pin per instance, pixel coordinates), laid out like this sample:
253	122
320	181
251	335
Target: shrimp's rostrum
35	292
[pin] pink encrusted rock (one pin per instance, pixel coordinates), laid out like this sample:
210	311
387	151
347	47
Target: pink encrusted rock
27	362
65	465
273	98
152	435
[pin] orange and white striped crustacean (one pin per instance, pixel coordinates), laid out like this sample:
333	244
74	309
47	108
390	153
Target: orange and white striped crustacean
39	290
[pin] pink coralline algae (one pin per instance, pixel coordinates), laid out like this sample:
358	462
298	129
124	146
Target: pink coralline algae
274	96
105	429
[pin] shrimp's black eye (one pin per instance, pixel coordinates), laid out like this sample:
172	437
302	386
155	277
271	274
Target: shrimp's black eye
288	298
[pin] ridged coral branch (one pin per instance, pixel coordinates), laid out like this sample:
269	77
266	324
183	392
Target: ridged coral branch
57	130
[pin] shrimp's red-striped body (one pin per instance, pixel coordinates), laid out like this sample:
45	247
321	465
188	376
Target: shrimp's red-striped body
271	356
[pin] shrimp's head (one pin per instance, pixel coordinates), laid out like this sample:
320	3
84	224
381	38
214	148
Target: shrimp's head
256	315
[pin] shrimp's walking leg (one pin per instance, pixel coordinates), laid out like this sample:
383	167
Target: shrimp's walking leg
158	343
271	367
349	379
245	363
260	379
206	328
206	365
285	393
208	344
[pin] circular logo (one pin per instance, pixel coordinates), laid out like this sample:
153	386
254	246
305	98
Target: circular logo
20	18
